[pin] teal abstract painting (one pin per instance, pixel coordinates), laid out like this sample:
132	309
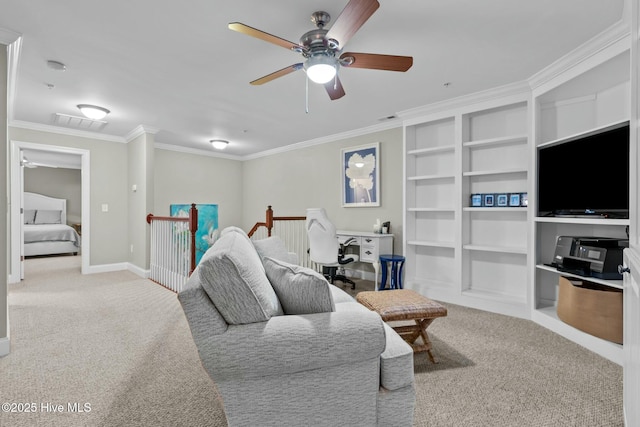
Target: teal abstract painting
207	224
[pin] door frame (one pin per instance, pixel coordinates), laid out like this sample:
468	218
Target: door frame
16	203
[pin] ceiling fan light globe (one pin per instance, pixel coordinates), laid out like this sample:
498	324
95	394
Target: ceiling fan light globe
321	73
321	69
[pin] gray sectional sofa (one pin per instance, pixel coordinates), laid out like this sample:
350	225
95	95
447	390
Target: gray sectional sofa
286	348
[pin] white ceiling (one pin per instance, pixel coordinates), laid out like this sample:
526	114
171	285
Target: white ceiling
176	67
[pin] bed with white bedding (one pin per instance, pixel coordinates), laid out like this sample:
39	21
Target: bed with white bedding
45	227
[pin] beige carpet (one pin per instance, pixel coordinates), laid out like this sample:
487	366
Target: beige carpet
121	345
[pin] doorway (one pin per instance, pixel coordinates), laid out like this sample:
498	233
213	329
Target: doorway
55	154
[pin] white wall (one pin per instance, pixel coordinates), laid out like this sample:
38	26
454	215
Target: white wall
183	178
4	231
295	180
60	183
109	230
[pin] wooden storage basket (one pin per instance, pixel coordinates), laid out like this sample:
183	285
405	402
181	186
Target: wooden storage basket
592	308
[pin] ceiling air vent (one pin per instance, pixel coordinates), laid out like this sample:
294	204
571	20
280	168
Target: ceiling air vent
78	122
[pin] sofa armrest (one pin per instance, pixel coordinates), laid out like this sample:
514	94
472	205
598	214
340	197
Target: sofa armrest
293	343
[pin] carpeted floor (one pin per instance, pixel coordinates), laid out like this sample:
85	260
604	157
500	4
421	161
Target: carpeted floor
121	345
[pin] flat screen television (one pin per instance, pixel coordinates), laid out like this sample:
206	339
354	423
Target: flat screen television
586	175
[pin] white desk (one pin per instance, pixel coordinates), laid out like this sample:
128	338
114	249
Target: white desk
370	246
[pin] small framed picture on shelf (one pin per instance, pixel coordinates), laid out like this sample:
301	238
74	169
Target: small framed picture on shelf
476	200
502	199
488	200
524	201
514	199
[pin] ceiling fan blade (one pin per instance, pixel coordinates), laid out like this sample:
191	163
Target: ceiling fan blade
254	32
375	61
276	74
334	88
355	13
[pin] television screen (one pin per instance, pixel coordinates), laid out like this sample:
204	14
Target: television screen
587	175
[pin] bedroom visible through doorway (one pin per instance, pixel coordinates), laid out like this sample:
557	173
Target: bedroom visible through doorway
60	174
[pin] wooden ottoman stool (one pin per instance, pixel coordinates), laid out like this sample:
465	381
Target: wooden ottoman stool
405	304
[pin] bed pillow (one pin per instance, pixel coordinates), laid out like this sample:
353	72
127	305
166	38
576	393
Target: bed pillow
45	216
29	216
300	290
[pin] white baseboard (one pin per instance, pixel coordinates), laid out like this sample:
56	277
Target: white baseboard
360	274
107	268
5	346
120	266
139	271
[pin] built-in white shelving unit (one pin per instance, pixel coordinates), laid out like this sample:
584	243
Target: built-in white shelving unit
496	258
475	256
594	95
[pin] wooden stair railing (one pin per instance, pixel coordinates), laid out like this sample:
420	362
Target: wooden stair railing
173	248
291	229
173	243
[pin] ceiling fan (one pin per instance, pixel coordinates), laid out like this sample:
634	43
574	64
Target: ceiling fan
323	49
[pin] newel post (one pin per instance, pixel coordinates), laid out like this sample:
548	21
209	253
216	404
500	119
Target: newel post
269	220
193	227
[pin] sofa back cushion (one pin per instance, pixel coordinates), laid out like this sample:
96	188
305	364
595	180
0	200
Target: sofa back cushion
300	289
233	276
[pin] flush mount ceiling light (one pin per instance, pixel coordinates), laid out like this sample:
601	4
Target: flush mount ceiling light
93	111
219	144
321	68
56	65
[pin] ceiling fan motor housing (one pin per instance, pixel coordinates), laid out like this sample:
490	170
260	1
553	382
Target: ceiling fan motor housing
320	18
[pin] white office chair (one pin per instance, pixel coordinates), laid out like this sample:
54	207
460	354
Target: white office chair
324	247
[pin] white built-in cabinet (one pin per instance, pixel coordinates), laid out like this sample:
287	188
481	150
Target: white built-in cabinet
594	97
475	256
494	258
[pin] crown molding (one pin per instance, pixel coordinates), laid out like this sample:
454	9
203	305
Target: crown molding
140	130
618	33
186	150
8	36
65	131
469	102
13	41
391	124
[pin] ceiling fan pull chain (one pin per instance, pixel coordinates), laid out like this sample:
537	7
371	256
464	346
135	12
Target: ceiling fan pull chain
306	95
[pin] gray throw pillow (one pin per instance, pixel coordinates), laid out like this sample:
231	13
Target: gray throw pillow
45	216
233	278
273	247
29	216
301	290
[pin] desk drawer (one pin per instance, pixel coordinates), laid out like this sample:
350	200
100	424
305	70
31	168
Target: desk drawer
369	250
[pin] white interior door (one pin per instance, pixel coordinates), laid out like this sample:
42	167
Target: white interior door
21	217
631	338
631	305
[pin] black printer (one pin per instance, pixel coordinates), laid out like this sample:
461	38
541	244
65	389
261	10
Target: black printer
590	256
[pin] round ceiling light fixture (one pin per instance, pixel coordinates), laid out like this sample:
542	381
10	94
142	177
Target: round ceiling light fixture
219	144
56	65
93	111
